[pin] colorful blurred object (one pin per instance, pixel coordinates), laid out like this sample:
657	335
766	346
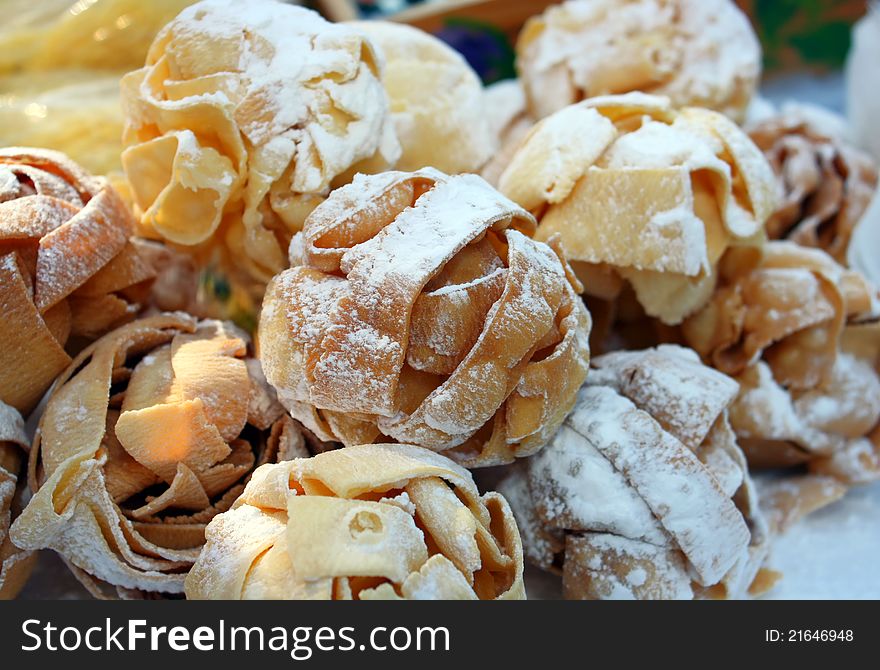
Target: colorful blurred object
804	33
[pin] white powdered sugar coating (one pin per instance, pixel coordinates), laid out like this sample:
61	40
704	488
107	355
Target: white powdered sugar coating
12	428
671	383
575	487
640	513
660	145
443	410
685	498
661	571
316	298
856	396
442	222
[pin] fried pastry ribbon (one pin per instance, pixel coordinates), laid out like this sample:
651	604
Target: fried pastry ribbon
643	193
15	563
149	433
67	267
697	52
800	334
436	99
419	309
378	521
241	122
643	493
825	184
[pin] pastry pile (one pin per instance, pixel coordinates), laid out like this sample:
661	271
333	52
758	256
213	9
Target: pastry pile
418	308
429	263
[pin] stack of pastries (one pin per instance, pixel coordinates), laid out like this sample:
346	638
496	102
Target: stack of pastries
432	263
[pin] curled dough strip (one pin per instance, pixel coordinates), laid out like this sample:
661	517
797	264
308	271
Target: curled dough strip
799	333
374	340
643	192
790	310
826	184
15	563
422	310
356	523
237	127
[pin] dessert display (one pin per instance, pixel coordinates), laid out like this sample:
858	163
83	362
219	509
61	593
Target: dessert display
825	184
643	493
294	309
644	194
241	122
68	268
378	521
435	97
697	52
418	308
147	435
800	334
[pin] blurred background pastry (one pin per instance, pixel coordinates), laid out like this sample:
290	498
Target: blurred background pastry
642	193
799	333
60	65
825	184
233	136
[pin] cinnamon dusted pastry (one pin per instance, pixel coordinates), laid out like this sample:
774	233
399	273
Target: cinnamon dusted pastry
644	194
418	308
825	184
68	270
698	52
643	493
436	99
148	434
799	333
240	123
15	563
378	521
509	121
